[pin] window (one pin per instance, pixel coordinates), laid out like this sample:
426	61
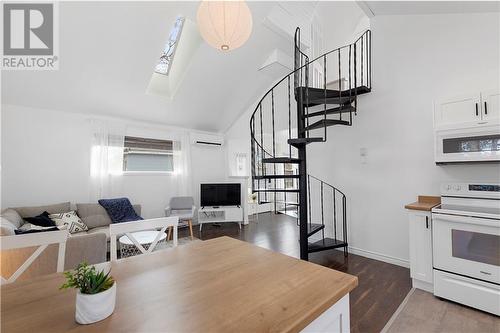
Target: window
165	62
147	155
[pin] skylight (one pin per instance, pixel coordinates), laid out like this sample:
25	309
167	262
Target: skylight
165	62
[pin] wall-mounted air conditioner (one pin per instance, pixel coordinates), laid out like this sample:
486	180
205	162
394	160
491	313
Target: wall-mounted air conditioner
213	140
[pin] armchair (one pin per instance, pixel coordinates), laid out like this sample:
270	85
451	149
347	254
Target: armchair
184	208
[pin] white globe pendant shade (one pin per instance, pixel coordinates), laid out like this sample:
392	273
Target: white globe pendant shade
225	25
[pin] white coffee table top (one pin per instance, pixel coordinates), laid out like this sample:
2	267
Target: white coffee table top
143	237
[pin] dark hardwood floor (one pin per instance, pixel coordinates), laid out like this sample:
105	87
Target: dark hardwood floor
382	286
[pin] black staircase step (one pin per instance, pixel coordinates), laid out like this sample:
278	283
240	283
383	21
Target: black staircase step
293	190
333	100
316	96
313	228
336	110
320	92
275	177
360	90
326	122
303	141
288	203
280	160
325	244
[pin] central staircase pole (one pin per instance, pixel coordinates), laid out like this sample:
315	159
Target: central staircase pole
304	254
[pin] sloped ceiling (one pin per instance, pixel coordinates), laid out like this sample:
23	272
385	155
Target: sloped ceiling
108	51
377	8
107	54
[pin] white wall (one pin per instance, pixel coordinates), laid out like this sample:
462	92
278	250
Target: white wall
46	159
208	166
416	59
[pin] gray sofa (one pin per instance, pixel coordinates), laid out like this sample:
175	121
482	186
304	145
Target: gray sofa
91	246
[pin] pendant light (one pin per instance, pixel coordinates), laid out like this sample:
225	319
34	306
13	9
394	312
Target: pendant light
225	25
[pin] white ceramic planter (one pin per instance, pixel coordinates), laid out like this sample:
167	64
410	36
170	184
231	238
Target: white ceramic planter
96	307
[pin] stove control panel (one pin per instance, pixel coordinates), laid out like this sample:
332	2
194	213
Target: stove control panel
471	190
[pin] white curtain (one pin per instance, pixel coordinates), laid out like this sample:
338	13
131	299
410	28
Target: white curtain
106	161
182	164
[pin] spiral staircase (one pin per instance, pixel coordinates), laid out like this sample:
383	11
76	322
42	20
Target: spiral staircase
294	113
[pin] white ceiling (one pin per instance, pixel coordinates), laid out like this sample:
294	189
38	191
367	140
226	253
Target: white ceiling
108	51
377	8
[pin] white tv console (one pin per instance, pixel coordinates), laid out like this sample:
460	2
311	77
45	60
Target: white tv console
220	214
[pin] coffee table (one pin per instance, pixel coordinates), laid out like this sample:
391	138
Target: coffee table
145	238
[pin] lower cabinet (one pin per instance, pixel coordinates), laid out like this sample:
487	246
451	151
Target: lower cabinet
334	320
421	249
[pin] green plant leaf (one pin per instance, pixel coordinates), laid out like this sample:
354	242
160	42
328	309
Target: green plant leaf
87	279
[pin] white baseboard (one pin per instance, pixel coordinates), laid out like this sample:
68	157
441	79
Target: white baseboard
379	256
426	286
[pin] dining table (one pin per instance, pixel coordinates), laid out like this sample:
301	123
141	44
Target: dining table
218	285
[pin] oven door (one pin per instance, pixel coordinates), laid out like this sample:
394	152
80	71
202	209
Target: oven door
467	246
468	145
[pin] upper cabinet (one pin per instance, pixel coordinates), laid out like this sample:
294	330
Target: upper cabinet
473	109
490	104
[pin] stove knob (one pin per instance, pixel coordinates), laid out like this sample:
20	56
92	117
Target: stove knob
458	188
448	187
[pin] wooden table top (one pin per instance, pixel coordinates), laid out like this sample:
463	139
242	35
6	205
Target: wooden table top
219	285
424	203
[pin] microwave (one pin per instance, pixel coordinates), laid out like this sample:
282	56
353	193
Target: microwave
475	144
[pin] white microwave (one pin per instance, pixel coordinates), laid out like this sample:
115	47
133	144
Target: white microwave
475	144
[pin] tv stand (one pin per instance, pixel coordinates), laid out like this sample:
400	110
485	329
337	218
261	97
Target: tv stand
220	215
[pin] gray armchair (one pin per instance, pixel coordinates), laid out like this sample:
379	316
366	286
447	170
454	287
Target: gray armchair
184	208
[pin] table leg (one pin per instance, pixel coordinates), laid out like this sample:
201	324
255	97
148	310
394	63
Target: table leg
190	223
169	233
175	235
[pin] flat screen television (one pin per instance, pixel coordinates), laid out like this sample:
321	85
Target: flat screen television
224	194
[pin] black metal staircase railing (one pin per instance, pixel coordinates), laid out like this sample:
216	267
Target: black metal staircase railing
329	199
325	92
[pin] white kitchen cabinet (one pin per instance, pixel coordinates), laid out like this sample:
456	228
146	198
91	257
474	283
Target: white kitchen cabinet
421	249
491	105
457	110
481	108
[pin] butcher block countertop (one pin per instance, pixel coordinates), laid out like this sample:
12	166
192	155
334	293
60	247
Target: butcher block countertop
425	203
219	285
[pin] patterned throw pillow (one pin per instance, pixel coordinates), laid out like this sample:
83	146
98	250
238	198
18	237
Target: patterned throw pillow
70	220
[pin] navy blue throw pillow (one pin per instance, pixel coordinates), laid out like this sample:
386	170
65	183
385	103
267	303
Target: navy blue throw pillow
119	210
42	220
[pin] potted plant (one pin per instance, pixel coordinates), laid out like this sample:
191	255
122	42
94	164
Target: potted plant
96	293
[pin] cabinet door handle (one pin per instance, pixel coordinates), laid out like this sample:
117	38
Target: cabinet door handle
485	108
477	110
427	222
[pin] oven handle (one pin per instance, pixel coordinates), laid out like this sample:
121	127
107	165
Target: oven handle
465	219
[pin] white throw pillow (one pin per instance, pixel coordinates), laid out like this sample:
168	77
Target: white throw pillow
71	220
6	227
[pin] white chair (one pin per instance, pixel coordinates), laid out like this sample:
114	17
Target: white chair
40	239
128	229
183	208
